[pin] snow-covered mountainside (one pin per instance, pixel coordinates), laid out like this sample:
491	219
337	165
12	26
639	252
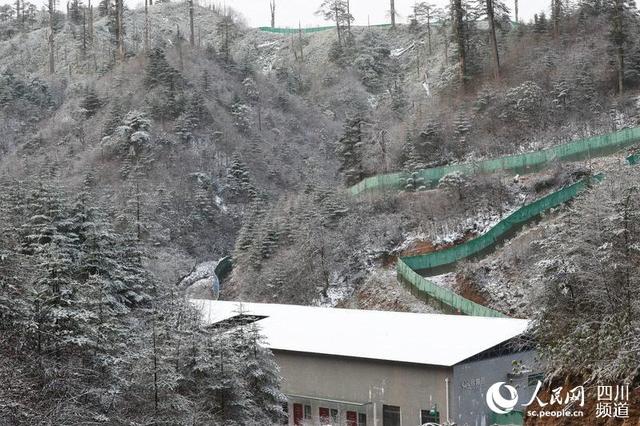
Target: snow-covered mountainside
138	148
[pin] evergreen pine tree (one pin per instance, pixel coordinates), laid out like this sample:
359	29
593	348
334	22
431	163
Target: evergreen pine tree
349	149
91	103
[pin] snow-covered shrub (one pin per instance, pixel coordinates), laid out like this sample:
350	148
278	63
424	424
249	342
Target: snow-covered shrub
453	182
241	116
523	102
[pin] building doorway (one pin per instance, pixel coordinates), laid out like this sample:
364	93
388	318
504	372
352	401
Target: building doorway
390	415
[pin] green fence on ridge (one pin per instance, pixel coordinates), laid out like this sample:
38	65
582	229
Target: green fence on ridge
294	30
519	163
502	228
309	30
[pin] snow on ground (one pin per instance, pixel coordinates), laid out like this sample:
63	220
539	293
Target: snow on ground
395	53
447	280
338	291
220	203
382	291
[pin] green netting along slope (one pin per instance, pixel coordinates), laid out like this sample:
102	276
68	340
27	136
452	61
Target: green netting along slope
309	30
519	163
224	267
495	234
294	30
407	266
424	288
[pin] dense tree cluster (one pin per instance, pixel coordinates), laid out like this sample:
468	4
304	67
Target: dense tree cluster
89	335
589	313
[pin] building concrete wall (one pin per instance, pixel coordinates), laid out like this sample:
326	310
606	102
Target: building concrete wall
331	382
471	380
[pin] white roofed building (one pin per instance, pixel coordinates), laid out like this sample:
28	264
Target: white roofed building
356	367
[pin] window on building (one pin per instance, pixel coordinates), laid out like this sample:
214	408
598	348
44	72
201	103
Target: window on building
334	416
352	418
362	419
307	412
298	414
324	416
429	416
390	415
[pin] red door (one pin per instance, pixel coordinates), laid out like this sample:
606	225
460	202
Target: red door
298	414
325	417
352	418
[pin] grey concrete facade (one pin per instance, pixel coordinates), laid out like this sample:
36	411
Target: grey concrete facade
362	386
472	379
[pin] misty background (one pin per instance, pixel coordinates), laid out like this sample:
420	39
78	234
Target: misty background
292	12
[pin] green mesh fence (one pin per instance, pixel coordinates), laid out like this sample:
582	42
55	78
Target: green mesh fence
495	234
308	30
520	163
294	30
407	266
421	286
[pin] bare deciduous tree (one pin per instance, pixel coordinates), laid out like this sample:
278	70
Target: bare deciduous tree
337	11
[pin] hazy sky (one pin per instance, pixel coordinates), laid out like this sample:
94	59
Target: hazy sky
289	12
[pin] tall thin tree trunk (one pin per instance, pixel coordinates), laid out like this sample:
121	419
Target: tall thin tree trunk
192	35
119	30
620	55
18	22
556	10
155	363
300	41
226	36
516	9
393	13
348	16
272	7
337	12
494	40
429	33
418	58
146	25
52	66
460	39
90	22
84	31
619	38
138	229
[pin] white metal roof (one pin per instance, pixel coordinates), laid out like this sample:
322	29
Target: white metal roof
431	339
